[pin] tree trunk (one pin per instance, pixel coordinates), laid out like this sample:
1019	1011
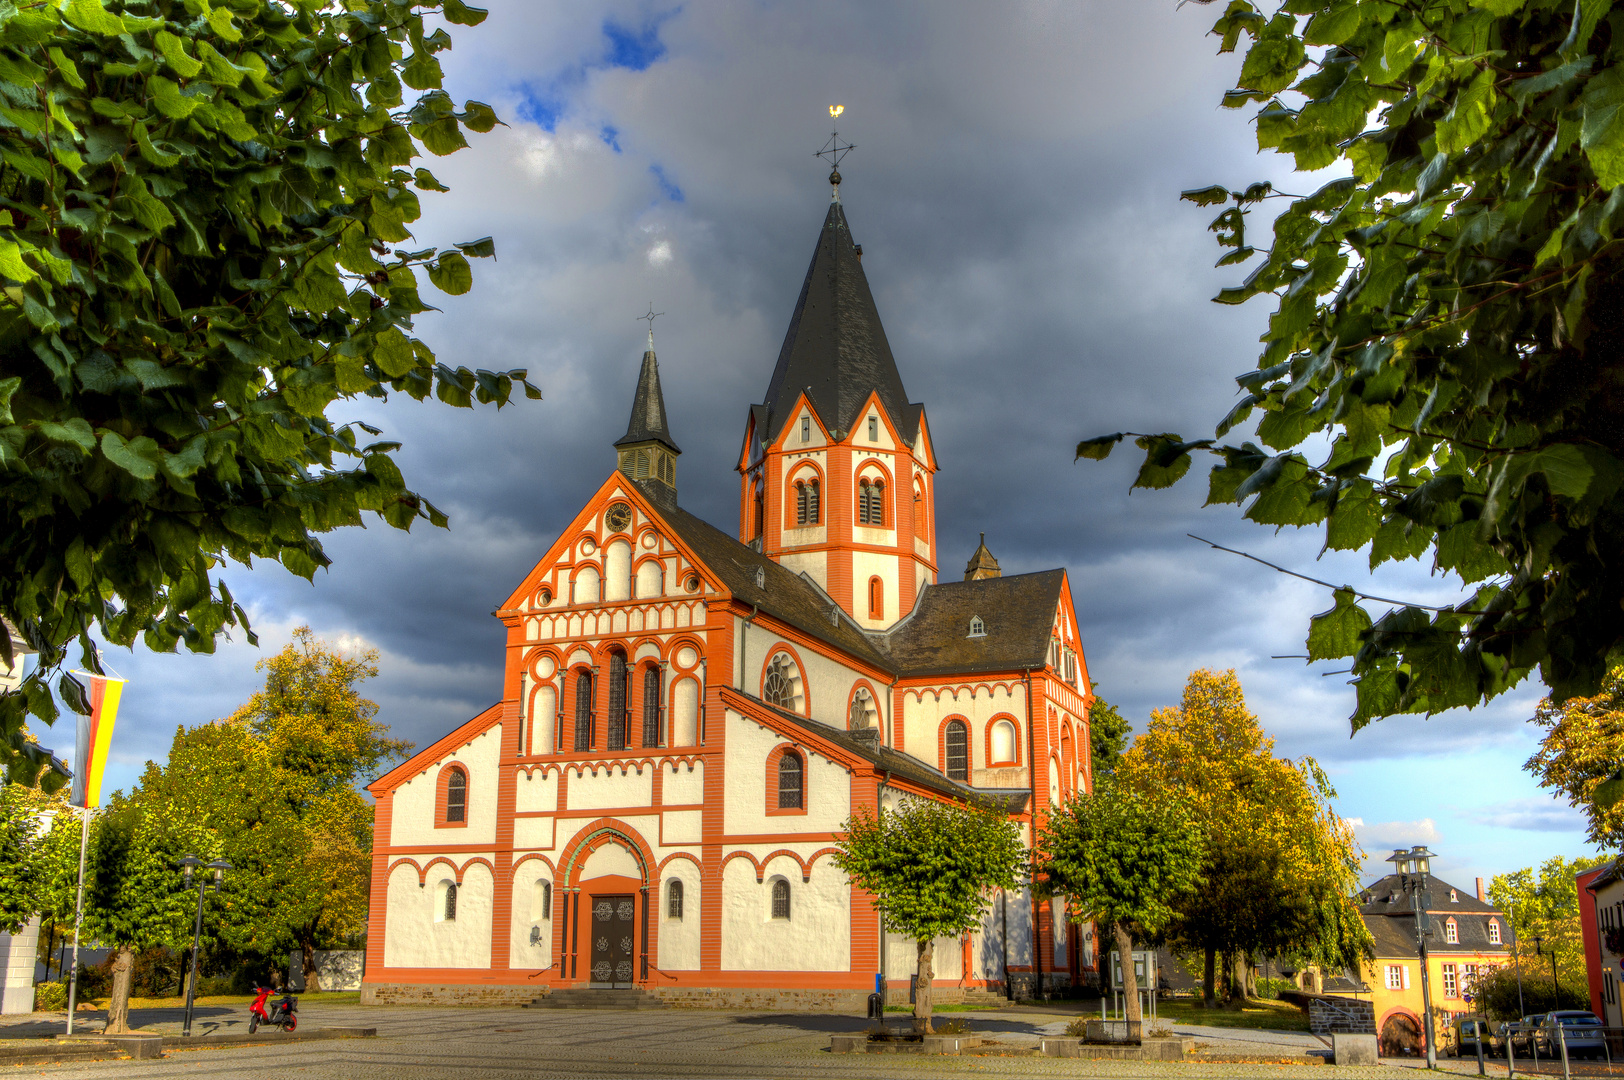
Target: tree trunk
118	1009
922	980
1209	979
1236	963
312	976
1130	983
1251	977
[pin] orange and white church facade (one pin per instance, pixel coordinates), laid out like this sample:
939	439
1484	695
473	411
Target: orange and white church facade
688	714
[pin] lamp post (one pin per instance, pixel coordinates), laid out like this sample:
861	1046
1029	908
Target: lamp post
1556	988
1413	868
188	864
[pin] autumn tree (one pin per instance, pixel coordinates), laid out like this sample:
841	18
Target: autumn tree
1579	756
1439	376
931	868
207	258
1123	858
1280	865
1544	903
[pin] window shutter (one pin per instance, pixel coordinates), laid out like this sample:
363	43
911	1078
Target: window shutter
1404	977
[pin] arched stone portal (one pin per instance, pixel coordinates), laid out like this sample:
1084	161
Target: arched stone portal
605	941
1400	1036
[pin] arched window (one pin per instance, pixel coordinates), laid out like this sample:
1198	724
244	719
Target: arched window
790	777
583	710
456	795
618	678
862	707
1003	746
448	913
673	900
782	685
956	744
761	513
871	502
651	705
806	501
876	598
920	523
541	901
780	898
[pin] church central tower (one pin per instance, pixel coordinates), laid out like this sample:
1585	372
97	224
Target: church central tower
837	467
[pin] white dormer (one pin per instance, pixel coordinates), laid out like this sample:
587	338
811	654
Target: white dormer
977	627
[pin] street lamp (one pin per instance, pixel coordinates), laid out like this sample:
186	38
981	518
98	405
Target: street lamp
1556	988
1413	867
188	864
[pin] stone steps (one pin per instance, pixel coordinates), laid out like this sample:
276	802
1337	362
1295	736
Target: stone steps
581	998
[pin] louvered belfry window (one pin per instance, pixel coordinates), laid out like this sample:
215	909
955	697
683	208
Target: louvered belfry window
651	706
583	711
958	751
871	503
617	700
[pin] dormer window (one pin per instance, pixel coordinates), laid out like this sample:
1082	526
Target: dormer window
1454	897
806	429
977	627
1451	932
874	429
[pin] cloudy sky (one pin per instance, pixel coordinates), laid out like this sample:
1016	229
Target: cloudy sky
1015	189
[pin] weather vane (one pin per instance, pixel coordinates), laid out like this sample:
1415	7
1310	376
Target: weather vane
833	149
649	318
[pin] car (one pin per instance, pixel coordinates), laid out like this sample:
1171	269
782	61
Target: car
1469	1031
1581	1030
1520	1035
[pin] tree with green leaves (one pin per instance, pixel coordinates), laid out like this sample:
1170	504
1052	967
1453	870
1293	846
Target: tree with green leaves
931	868
206	252
1446	322
1122	858
20	858
1544	903
1108	736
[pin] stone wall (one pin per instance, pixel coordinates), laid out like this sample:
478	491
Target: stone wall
1343	1016
441	994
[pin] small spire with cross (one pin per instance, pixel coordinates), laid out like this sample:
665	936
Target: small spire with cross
650	317
834	151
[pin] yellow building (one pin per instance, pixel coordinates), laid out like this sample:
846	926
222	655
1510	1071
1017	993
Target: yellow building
1466	938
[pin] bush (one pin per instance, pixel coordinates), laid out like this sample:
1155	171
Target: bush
1271	989
50	997
1495	995
956	1026
1078	1028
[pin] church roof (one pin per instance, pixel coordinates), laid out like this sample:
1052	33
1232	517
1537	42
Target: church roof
648	407
784	594
1018	613
836	349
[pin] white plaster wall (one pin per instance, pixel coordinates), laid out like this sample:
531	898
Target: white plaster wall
533	833
867	564
679	938
413	821
536	791
684	784
617	571
814	564
826	794
922	717
17	962
543	719
683	826
650	579
415	939
816	936
522	955
1020	927
685	712
611	787
825	683
586	587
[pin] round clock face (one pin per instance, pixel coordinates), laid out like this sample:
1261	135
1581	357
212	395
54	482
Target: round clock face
618	517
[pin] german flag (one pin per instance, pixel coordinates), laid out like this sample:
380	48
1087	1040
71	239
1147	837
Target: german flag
95	738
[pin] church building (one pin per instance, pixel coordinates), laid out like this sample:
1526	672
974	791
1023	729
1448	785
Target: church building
688	715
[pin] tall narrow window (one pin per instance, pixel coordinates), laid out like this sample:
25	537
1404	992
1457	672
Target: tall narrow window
789	782
957	747
812	502
673	900
456	796
583	710
617	700
1494	931
800	502
651	706
876	598
806	429
450	901
761	513
1451	932
871	503
874	429
780	899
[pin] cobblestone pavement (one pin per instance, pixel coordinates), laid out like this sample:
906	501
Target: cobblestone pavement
677	1043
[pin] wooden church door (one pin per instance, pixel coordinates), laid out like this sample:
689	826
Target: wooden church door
613	941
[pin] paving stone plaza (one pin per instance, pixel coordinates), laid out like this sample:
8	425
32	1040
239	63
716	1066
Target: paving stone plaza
500	1042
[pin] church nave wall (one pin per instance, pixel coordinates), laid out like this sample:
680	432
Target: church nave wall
611	787
683	783
826	684
815	935
423	931
979	704
678	942
418	810
751	806
531	916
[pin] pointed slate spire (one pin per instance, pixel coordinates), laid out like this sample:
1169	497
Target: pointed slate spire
836	349
982	565
647	451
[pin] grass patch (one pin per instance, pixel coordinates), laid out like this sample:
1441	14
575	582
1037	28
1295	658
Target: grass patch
329	997
1260	1014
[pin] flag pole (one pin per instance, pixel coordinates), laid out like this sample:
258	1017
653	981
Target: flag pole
78	917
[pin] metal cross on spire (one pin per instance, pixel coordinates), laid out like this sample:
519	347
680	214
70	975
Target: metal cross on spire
834	151
650	317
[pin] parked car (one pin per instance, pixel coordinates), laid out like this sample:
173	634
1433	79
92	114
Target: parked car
1469	1030
1520	1034
1584	1033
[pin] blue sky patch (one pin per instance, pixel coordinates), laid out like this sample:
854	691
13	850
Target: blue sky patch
611	137
540	109
667	188
634	48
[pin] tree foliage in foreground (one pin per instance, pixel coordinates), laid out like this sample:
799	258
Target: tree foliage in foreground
1448	319
1122	858
1280	866
205	247
1579	756
931	868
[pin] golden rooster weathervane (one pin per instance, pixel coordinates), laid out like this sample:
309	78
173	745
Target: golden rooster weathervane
834	151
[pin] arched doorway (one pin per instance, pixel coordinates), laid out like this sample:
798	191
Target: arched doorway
1309	982
1400	1036
607	941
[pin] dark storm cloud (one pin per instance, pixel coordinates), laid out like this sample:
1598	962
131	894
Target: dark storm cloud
1015	190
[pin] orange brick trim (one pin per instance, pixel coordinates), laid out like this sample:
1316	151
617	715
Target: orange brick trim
782	646
423	874
591	837
660	870
941	744
874	699
741	855
777	754
1015	725
442	784
806	867
538	857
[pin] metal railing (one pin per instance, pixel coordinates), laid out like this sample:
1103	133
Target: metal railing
1564	1050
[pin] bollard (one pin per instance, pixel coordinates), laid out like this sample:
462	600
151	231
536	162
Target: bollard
1511	1054
1477	1026
1562	1038
876	1007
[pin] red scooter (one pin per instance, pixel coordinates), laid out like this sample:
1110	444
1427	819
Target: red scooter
281	1012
